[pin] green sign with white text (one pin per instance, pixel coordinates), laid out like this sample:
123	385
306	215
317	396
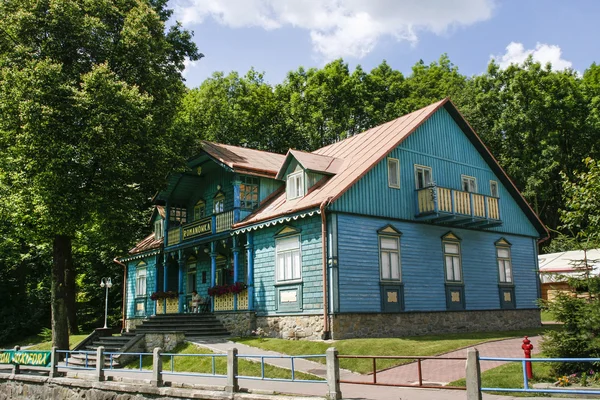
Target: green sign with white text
35	358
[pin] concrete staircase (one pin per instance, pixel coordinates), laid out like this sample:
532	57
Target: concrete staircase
112	344
193	325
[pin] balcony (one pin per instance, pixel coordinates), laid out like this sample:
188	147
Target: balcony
455	207
211	225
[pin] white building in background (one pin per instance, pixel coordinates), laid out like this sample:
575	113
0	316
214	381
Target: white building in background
556	267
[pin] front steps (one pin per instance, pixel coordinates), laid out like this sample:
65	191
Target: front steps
193	325
112	344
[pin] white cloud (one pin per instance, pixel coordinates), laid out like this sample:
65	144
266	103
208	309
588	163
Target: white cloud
340	28
188	65
543	53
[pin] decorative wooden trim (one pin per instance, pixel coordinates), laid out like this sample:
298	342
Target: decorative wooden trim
389	230
287	230
502	242
451	236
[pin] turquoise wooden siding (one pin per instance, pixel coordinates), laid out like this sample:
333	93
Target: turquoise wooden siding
440	144
264	266
423	266
208	189
131	294
268	186
130	302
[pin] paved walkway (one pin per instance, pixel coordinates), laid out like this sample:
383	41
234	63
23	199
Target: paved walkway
435	372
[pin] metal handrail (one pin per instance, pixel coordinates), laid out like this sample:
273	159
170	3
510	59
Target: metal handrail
293	369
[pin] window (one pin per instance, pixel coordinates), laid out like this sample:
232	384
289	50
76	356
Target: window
249	192
219	203
423	177
494	189
287	255
469	184
452	261
295	185
178	216
389	250
504	264
140	280
158	229
199	210
393	173
191	277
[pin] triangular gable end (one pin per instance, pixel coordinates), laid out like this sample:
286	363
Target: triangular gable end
287	230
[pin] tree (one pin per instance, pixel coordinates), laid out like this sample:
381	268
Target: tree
88	90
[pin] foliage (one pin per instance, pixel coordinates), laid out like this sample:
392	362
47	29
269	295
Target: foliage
221	290
164	295
580	336
88	90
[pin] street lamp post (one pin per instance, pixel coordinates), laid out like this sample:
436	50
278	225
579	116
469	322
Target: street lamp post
105	282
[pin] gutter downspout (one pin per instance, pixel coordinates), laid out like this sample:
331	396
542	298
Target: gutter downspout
326	330
116	261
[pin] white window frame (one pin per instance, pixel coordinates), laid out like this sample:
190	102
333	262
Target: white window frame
219	203
454	257
468	179
390	167
389	253
502	263
291	273
423	169
158	229
497	190
141	280
292	185
199	206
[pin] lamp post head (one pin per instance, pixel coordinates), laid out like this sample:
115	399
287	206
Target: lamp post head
105	282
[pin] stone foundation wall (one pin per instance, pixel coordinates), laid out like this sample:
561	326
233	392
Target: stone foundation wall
167	341
355	325
132	323
238	323
296	327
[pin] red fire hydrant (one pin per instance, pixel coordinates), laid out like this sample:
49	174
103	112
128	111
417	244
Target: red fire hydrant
527	347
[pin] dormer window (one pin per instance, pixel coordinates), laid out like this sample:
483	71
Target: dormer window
219	203
295	185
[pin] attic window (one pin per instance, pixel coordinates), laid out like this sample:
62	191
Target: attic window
393	173
295	185
158	229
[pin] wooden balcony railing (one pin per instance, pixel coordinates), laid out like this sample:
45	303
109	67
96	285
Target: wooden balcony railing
215	223
436	200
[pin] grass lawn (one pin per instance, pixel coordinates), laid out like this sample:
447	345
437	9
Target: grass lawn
510	375
37	342
204	364
547	316
408	346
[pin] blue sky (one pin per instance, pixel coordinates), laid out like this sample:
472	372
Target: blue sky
276	36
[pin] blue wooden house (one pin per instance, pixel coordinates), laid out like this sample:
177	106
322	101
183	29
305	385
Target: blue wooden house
409	228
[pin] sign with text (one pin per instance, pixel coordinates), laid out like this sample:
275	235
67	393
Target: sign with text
200	228
35	358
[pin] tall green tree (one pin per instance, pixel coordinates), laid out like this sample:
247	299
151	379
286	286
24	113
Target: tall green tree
88	91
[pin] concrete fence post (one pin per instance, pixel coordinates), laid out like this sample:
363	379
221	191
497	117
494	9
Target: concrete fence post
156	367
53	363
232	371
473	375
100	363
16	369
333	374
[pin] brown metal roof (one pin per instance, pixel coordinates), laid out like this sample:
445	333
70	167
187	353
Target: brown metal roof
312	162
148	243
245	160
359	154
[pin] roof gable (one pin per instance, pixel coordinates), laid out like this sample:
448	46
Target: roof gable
360	153
310	162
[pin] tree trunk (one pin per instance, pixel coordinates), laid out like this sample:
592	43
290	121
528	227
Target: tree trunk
60	328
70	293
